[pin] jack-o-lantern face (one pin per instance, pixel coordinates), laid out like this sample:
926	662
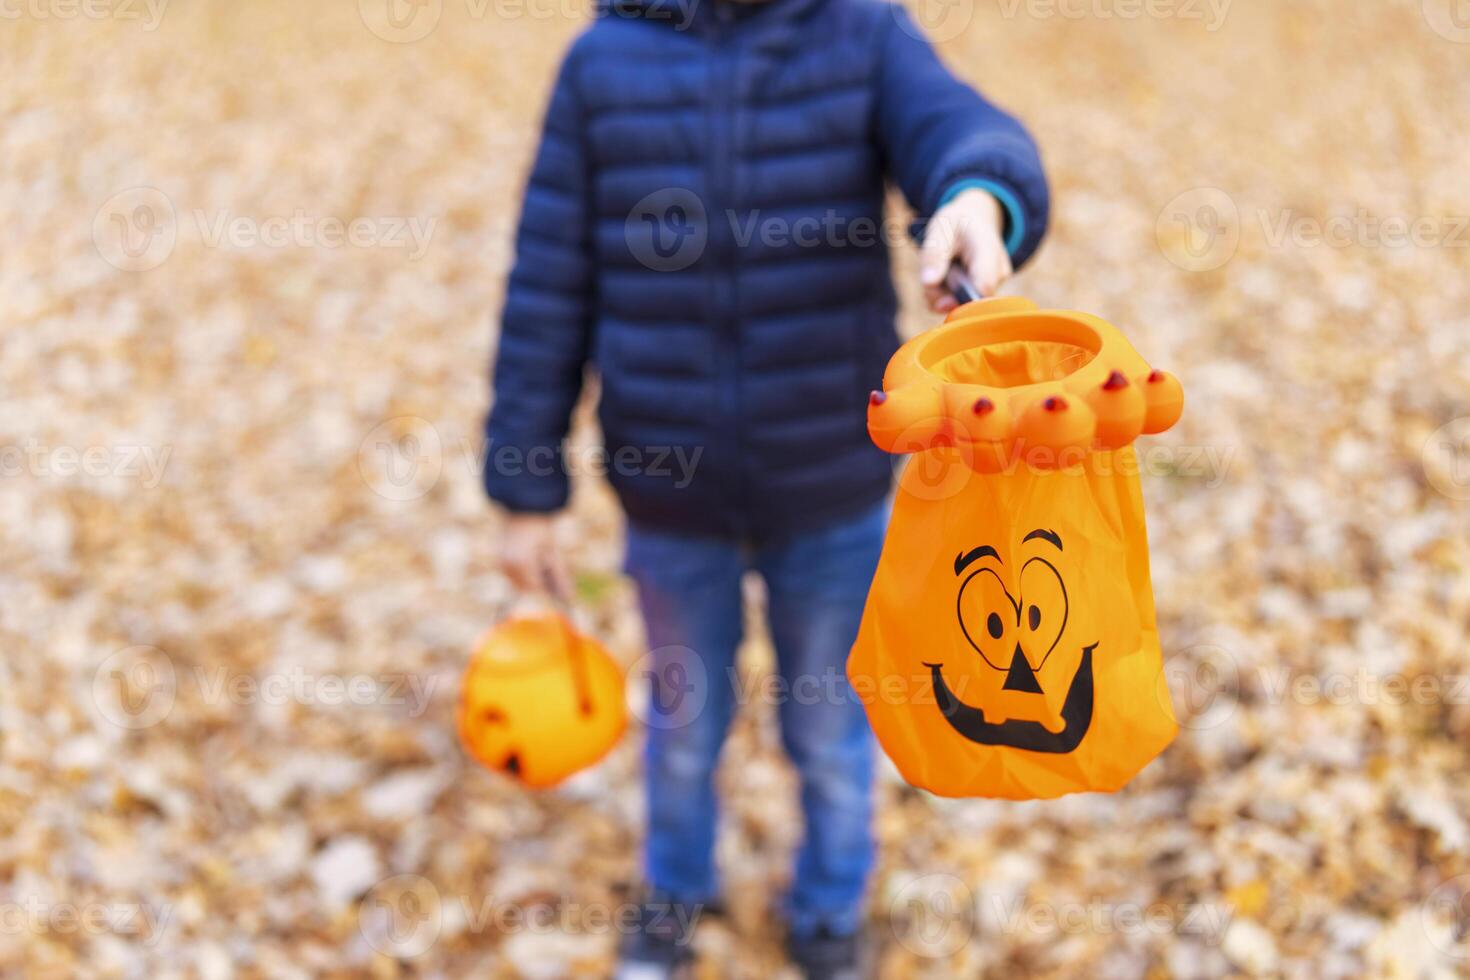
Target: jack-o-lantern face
1035	698
540	701
1008	646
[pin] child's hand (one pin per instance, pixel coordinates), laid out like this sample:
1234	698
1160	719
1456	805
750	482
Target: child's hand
529	556
969	228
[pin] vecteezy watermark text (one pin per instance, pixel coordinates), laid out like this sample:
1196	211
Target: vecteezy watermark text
935	915
1207	683
403	916
137	687
150	12
1202	229
1211	13
402	458
407	21
44	461
33	916
137	229
224	229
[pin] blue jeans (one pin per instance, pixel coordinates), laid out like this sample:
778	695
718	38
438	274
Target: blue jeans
689	590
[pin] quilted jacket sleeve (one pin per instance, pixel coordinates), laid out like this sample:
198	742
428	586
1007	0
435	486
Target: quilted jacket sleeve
940	136
546	322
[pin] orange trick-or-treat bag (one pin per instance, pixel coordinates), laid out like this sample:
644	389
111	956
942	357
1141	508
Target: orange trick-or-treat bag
540	700
1008	647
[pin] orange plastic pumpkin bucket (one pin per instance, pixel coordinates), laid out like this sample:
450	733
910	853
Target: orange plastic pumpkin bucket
540	700
1008	647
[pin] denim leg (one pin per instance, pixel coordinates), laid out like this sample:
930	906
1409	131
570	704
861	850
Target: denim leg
689	591
817	584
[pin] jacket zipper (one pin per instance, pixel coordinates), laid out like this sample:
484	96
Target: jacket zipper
723	76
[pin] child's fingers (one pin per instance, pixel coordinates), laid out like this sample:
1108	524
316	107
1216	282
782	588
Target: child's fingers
985	274
555	576
531	559
990	267
939	298
941	240
521	571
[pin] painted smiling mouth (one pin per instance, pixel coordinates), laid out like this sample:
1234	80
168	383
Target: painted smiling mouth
1031	735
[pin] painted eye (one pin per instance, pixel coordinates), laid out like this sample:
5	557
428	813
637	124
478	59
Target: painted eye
987	612
1042	589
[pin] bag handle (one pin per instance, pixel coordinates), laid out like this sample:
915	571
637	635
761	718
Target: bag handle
961	285
570	626
571	638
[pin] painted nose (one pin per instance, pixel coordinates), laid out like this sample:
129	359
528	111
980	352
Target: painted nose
1021	677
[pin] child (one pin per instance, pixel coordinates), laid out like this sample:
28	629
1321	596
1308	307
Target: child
703	227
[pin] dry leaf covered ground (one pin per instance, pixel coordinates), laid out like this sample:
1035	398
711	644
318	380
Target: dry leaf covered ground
243	247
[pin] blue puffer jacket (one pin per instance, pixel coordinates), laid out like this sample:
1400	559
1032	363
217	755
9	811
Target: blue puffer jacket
703	226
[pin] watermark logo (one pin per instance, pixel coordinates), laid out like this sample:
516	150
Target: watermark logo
1446	458
401	458
937	20
1450	19
136	230
401	21
669	688
1445	917
1203	682
935	474
401	916
1199	230
135	687
667	230
933	915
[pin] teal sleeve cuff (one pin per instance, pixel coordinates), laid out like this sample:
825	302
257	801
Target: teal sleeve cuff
1015	225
